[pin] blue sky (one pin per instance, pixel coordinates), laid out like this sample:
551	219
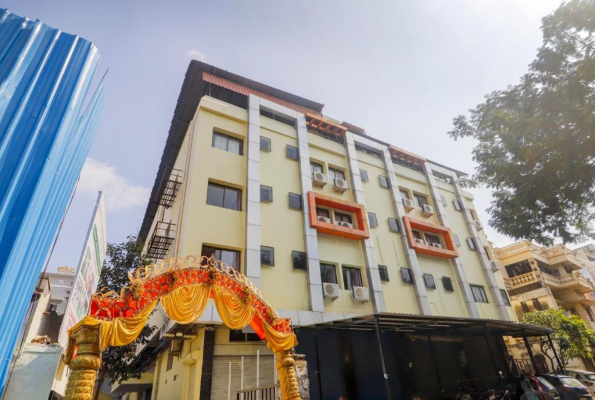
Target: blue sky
401	69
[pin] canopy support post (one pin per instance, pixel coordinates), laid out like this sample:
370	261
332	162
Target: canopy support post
86	363
379	339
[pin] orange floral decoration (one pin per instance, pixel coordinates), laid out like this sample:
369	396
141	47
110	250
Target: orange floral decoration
184	286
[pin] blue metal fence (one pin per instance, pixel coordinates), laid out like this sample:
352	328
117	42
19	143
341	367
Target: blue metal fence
48	119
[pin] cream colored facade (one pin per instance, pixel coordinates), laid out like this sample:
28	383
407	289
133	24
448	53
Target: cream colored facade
192	224
538	278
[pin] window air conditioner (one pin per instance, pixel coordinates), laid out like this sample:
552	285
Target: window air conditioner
330	290
360	294
340	185
318	179
427	211
408	204
478	225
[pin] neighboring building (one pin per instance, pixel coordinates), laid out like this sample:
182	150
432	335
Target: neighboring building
47	124
539	278
587	255
39	370
328	221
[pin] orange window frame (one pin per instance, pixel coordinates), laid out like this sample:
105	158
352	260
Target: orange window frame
449	252
317	199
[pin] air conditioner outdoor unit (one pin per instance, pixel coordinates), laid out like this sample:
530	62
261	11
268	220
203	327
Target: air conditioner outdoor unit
345	224
419	241
330	290
408	204
340	185
427	211
318	179
494	265
437	245
478	225
175	347
324	219
360	294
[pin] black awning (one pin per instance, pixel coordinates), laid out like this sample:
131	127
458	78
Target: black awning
436	325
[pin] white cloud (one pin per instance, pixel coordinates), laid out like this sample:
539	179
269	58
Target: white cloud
195	54
119	194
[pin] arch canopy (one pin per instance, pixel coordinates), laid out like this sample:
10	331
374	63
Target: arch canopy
184	286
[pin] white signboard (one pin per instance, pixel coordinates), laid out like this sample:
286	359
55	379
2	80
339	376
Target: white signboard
87	273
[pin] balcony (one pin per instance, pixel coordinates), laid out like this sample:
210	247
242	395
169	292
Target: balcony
170	187
573	281
163	236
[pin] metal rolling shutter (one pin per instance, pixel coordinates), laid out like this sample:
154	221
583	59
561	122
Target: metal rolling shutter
331	367
220	383
192	389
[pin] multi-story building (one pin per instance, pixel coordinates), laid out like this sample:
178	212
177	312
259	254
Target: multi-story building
48	118
538	278
39	370
326	220
587	255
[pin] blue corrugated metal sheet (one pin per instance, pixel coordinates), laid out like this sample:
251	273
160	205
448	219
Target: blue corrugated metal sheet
47	124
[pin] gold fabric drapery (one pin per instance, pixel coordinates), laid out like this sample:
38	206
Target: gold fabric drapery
185	305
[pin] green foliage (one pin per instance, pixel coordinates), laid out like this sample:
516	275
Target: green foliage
120	363
535	140
570	335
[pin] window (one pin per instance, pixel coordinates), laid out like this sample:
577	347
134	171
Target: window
229	257
265	144
447	283
224	196
315	167
351	277
432	239
479	294
267	255
420	200
239	336
321	212
170	362
372	220
329	273
364	175
406	275
505	297
429	281
295	201
383	271
590	313
404	194
524	307
336	174
383	181
266	194
443	200
394	225
300	260
537	305
471	244
227	143
457	240
416	234
342	217
487	250
457	205
292	152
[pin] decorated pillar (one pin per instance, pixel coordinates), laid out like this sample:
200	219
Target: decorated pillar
85	364
301	372
287	376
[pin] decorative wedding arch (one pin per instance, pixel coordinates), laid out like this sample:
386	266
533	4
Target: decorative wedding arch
183	286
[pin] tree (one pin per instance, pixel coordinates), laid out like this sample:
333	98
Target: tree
570	335
120	363
536	140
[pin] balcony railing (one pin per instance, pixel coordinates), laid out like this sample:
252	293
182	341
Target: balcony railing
571	281
163	236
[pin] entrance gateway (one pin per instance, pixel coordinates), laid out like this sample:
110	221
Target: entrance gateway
183	286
